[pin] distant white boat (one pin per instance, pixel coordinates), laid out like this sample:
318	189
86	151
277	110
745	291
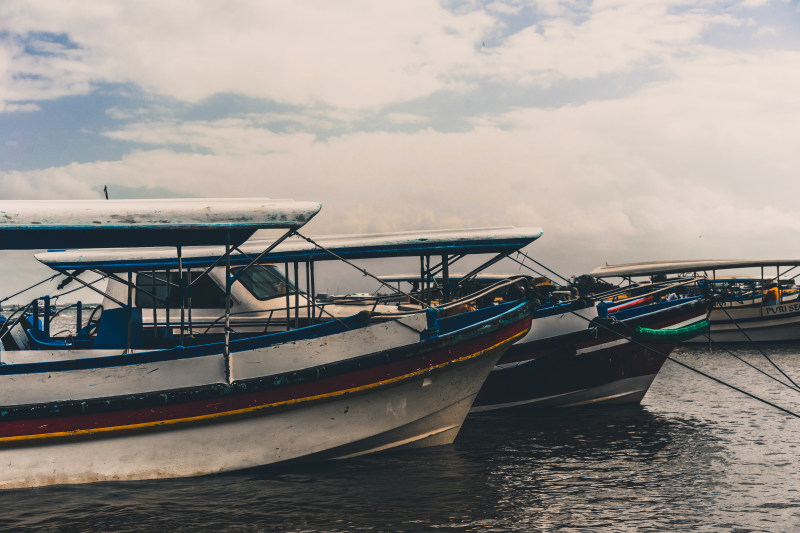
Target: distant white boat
740	313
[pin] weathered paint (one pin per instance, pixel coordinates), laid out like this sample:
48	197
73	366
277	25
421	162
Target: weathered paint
391	416
32	224
305	354
246	397
413	394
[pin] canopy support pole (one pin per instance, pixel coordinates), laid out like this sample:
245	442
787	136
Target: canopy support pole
313	294
228	283
168	330
95	289
486	265
189	297
155	314
180	285
309	297
422	278
130	312
296	295
288	301
445	280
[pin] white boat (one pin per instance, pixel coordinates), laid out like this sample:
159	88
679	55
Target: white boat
112	411
740	313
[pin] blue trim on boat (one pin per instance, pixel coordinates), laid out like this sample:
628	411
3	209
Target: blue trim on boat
35	237
291	378
455	323
646	309
180	352
310	332
478	246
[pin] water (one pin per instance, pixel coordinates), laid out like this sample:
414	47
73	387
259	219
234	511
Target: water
693	456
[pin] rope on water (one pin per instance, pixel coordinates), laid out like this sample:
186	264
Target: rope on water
700	372
754	367
687	366
743	332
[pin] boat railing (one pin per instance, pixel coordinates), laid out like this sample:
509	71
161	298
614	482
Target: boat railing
13	321
654	290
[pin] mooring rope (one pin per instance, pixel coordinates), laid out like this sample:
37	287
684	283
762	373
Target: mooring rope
362	270
691	368
751	365
743	332
680	363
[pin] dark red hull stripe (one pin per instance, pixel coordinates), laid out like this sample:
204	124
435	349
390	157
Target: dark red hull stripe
241	395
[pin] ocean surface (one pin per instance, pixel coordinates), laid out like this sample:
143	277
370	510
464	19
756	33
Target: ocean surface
694	456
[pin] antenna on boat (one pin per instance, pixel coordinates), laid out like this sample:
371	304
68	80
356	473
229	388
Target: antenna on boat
105	191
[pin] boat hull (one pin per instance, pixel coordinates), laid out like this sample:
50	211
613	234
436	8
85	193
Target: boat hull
406	396
758	323
427	410
614	372
595	366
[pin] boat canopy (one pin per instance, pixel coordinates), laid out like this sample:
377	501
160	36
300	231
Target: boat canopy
37	224
651	268
296	249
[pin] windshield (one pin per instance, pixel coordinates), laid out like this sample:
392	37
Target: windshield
265	281
204	293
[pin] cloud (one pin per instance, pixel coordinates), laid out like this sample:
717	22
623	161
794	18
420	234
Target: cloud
406	118
37	68
765	31
709	152
504	8
609	38
707	147
226	136
350	54
53	183
18	108
353	54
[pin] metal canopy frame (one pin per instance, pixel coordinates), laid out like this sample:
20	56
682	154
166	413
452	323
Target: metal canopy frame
186	280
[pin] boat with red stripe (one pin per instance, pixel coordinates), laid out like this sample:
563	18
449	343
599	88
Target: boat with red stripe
104	405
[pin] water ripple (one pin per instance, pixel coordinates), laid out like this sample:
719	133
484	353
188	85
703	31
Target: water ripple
694	456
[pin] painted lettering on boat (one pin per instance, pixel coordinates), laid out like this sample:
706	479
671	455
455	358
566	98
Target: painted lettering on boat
781	309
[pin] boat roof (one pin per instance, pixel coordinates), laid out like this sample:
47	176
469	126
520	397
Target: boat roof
38	224
365	246
651	268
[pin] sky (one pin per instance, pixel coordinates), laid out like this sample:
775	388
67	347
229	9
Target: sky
629	130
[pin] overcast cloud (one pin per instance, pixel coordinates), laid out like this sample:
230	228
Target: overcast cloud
628	130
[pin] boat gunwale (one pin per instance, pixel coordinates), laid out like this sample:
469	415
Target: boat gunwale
508	319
